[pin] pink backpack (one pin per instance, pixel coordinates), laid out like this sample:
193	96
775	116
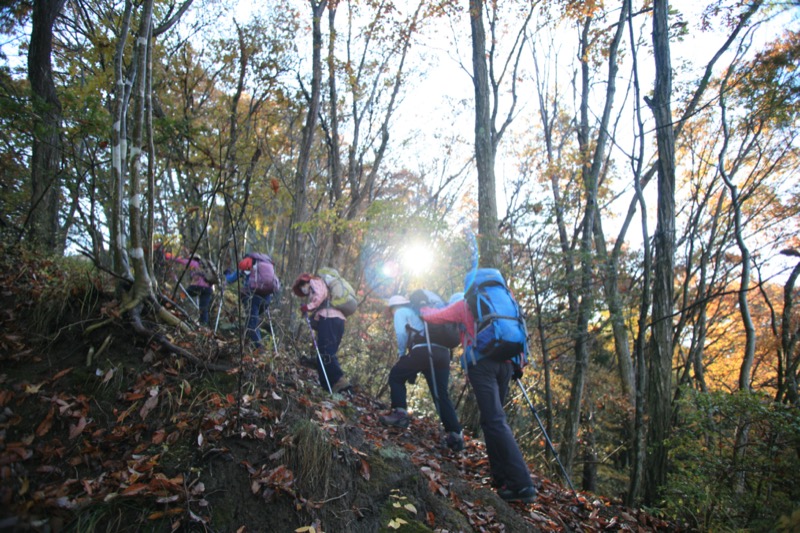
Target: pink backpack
262	280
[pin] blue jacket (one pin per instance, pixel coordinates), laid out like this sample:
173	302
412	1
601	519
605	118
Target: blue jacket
405	316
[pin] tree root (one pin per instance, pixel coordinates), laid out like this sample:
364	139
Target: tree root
135	315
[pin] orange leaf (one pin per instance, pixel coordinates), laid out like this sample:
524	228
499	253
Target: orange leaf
46	424
133	396
365	469
134	489
148	406
159	436
62	373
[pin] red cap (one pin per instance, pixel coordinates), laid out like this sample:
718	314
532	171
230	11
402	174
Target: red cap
246	263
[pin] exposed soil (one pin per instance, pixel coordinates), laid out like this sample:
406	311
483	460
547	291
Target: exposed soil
135	438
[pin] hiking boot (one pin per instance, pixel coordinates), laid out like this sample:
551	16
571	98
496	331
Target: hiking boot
524	495
308	362
342	386
397	418
455	441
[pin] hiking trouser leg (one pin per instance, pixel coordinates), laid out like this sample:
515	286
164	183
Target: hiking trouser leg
400	373
204	303
441	371
489	381
329	335
256	304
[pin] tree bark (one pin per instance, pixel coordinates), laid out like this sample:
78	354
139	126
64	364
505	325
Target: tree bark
43	227
119	149
295	256
660	368
142	287
484	153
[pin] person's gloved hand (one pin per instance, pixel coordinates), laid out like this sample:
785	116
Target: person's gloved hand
304	309
517	371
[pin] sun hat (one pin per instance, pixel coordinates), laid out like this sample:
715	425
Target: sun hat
397	300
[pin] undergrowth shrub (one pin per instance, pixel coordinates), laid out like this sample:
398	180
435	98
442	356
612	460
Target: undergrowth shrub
717	487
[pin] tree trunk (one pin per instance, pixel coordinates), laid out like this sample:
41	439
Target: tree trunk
142	287
484	153
660	369
334	148
296	257
43	229
745	370
119	149
590	174
789	336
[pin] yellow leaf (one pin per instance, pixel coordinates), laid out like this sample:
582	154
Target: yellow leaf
33	389
410	507
305	529
395	523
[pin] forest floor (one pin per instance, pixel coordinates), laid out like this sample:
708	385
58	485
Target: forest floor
102	430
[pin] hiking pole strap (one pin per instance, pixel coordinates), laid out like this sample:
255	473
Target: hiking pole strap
546	436
319	355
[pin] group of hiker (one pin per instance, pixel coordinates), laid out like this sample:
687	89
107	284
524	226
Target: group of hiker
484	319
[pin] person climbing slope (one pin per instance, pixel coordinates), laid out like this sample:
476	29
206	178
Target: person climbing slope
328	322
415	356
490	379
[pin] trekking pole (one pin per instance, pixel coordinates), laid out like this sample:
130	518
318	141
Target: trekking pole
272	332
319	355
546	437
433	372
188	295
219	311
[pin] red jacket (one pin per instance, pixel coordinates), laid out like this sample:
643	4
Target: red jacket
457	312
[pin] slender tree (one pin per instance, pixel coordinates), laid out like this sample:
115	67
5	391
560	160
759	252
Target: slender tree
299	214
484	154
660	367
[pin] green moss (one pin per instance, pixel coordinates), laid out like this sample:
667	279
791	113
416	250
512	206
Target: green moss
392	452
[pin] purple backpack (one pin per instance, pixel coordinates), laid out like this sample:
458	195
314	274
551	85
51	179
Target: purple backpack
263	280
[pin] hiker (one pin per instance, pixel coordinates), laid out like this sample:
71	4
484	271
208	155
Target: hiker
490	380
416	356
201	283
256	288
328	323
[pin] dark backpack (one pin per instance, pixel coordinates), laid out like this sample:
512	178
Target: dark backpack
500	331
446	335
262	280
208	271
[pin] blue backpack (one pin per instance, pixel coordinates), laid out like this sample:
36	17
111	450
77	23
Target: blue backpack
500	331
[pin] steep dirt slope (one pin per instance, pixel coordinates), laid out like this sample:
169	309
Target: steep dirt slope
101	430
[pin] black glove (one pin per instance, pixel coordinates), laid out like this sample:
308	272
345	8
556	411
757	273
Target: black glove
517	371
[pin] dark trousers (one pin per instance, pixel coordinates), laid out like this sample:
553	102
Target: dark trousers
203	301
417	361
258	304
490	381
329	335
